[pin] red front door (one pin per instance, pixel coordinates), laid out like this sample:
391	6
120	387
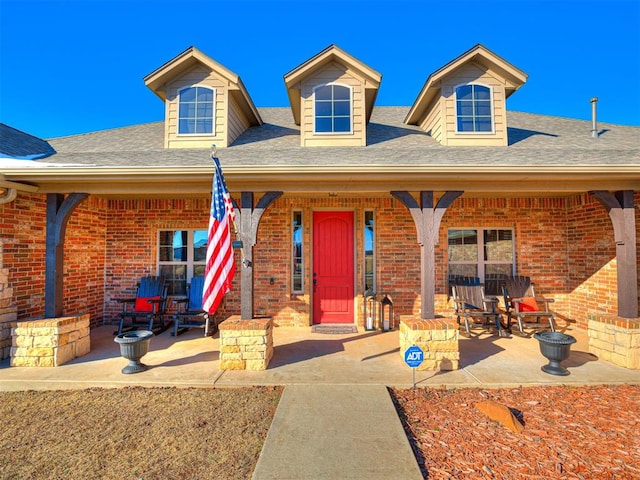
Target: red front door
333	283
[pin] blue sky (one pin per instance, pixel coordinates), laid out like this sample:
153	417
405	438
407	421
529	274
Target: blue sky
77	66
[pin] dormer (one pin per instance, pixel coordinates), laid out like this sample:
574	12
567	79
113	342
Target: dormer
464	102
205	102
332	97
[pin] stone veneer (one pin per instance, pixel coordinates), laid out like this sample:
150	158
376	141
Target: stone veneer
616	340
438	339
50	342
246	344
8	310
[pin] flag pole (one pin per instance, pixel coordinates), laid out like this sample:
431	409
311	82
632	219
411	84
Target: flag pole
245	262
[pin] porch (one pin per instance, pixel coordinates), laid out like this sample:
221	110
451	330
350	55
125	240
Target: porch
303	357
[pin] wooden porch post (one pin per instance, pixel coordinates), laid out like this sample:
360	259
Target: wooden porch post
427	220
59	210
249	221
621	211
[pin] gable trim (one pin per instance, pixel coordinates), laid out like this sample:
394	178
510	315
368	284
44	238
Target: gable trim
158	79
369	77
514	78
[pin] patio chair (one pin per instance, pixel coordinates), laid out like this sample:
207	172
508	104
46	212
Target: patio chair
147	308
475	308
521	303
189	313
461	280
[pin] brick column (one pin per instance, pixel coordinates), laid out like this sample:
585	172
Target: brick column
438	339
246	344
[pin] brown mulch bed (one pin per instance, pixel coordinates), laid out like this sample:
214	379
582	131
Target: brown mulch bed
134	433
587	432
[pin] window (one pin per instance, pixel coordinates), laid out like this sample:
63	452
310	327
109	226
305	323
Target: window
196	112
369	252
332	109
296	252
487	254
182	254
473	109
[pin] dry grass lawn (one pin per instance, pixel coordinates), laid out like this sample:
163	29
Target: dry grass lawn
134	433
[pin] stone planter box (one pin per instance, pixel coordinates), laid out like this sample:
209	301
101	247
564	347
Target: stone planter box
616	340
246	344
49	342
438	339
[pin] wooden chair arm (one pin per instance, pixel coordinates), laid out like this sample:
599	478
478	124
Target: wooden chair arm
181	304
126	300
545	300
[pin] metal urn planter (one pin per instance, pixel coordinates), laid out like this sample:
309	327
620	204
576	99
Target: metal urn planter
555	347
133	346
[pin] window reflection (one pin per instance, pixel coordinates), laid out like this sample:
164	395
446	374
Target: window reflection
369	251
297	260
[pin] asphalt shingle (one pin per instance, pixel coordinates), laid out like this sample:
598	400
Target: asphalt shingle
533	140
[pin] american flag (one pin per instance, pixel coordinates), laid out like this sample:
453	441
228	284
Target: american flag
221	265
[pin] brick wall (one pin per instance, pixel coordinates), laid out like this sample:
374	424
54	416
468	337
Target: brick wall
565	245
23	224
592	255
85	260
23	229
132	236
8	313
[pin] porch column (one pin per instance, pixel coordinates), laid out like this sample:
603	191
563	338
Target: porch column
427	220
59	210
621	211
249	221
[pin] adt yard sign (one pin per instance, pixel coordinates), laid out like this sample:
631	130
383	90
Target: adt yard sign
413	356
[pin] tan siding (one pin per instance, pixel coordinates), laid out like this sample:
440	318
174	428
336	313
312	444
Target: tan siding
196	76
472	73
238	122
333	73
433	120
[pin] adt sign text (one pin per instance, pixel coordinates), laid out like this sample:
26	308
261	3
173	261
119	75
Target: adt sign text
413	356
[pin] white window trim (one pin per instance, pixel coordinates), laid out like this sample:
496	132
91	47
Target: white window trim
350	132
293	290
375	246
190	261
213	110
455	109
480	262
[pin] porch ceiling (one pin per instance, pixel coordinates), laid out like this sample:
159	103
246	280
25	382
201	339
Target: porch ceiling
356	180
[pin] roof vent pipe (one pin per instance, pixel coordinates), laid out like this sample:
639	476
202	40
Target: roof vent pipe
594	118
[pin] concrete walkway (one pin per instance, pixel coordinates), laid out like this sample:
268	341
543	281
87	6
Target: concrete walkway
335	419
336	432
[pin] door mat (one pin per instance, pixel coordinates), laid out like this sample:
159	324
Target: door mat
334	329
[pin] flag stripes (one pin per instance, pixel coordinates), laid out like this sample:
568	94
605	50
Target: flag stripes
220	265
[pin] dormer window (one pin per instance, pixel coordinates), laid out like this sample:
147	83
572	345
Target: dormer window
196	111
473	109
332	109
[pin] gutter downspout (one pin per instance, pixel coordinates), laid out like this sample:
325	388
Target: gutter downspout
8	196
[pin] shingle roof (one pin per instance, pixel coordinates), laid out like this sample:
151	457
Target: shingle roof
17	144
533	140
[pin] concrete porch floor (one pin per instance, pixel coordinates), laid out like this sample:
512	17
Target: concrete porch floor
301	357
